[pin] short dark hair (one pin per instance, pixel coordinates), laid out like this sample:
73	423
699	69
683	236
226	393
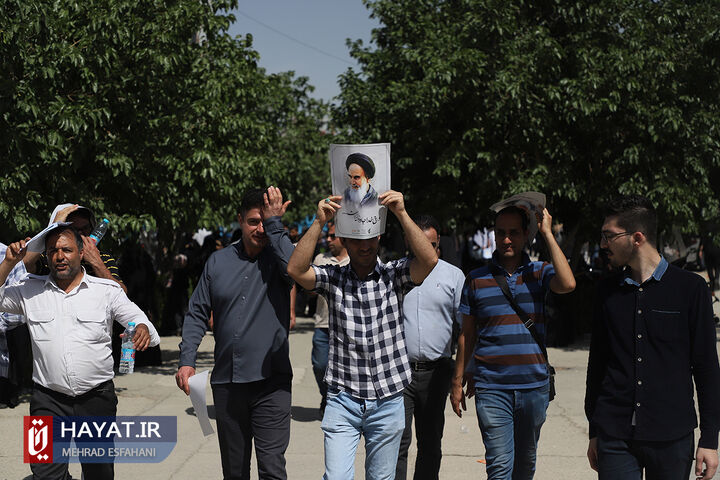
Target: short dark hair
66	228
513	210
426	222
253	198
634	213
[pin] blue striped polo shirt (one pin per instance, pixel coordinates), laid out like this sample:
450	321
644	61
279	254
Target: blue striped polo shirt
506	355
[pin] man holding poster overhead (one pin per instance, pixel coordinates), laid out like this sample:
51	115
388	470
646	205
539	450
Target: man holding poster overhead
368	364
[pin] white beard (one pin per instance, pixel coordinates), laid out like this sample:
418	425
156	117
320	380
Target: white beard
356	196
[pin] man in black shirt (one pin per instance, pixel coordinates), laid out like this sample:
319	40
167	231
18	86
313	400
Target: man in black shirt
653	334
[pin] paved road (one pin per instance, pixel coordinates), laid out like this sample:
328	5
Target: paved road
152	391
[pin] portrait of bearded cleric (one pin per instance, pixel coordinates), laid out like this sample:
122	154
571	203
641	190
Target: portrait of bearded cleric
359	193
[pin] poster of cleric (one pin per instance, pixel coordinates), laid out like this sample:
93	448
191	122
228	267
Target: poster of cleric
360	173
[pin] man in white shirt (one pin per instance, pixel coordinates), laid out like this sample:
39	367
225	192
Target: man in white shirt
69	316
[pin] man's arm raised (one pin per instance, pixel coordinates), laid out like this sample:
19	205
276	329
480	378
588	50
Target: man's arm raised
425	255
564	280
91	255
14	254
299	265
11	302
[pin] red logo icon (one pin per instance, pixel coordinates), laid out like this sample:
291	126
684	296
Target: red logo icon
38	436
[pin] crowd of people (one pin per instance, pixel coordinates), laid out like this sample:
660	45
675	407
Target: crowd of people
384	339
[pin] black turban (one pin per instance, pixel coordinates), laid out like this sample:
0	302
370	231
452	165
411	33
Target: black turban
364	161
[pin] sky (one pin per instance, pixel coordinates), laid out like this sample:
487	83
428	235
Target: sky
305	36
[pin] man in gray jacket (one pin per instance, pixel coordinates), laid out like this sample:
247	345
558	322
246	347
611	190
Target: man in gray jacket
246	288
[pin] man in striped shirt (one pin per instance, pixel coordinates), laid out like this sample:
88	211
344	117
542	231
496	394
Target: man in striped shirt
510	377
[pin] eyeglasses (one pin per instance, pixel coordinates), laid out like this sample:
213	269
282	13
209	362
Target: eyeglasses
331	236
608	237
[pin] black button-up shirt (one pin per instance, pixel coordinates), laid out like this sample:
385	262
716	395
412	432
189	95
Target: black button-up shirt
648	343
250	302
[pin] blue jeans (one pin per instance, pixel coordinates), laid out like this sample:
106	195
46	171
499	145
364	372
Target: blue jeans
319	358
381	422
510	422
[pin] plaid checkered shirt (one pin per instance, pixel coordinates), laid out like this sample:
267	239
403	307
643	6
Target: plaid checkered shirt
368	358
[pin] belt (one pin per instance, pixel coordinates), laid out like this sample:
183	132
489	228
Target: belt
426	365
95	389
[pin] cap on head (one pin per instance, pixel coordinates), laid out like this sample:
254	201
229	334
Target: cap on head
363	161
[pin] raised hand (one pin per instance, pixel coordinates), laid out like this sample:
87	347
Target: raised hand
544	221
62	215
327	207
91	254
16	251
394	201
273	205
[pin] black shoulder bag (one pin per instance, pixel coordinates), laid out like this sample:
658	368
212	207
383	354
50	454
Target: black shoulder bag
527	321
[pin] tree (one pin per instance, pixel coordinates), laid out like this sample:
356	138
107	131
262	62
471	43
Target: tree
121	106
579	99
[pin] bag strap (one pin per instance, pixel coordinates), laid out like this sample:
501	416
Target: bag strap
501	280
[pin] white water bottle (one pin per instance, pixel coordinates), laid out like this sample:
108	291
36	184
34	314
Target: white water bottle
127	351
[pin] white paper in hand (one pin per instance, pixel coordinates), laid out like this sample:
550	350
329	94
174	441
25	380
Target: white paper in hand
531	203
37	243
197	385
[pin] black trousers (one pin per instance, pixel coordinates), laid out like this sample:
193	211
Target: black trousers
425	398
259	412
628	459
101	400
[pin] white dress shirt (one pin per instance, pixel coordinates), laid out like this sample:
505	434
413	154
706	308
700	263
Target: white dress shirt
70	332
